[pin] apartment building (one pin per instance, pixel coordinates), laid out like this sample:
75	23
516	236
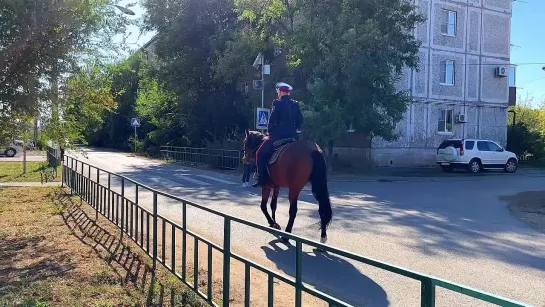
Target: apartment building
461	89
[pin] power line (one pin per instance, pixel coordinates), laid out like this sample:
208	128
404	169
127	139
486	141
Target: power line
486	64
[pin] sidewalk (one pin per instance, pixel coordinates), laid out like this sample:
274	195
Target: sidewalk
28	184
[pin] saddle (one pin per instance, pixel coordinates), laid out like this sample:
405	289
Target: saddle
278	147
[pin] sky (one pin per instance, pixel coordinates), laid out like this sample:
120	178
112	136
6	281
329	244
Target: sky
527	39
134	41
528	46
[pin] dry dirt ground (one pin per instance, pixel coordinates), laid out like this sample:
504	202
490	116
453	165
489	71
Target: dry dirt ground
528	207
52	253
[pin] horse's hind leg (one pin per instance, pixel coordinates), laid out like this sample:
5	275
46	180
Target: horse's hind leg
265	192
274	203
293	196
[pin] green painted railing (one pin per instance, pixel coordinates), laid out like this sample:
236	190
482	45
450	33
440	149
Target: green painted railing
135	222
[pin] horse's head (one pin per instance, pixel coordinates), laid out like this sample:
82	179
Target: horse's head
252	141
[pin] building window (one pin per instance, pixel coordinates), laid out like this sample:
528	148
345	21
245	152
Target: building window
444	124
448	27
512	76
447	72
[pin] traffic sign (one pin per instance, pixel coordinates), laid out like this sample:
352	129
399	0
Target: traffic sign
262	118
258	84
135	122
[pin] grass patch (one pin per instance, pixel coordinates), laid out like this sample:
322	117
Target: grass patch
13	172
53	253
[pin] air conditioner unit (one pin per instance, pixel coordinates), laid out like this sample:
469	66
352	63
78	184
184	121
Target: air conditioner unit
502	71
461	118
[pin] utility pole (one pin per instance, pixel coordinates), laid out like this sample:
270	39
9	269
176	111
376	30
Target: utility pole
263	80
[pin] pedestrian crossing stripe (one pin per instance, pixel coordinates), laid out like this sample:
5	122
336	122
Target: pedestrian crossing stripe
216	179
187	178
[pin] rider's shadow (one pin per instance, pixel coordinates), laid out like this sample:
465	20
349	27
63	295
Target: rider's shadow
330	274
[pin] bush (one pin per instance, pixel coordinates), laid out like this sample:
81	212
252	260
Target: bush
524	142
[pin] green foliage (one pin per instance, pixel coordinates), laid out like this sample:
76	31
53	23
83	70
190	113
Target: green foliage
80	112
116	127
44	40
348	54
527	137
190	95
343	58
524	141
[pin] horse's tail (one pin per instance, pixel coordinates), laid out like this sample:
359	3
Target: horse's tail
318	179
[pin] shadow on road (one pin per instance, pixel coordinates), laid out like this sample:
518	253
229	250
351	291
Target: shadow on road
330	274
472	224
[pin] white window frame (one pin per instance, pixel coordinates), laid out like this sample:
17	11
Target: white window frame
445	65
450	25
445	115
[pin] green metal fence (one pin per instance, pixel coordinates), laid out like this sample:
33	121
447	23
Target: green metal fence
142	226
214	158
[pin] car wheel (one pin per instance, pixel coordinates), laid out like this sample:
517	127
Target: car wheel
511	166
447	168
475	166
10	152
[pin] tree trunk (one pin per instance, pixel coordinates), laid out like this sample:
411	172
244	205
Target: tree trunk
24	159
330	146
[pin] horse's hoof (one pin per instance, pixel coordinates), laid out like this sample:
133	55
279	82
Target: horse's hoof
323	240
276	226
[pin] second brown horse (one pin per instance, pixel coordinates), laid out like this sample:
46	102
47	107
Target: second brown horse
299	163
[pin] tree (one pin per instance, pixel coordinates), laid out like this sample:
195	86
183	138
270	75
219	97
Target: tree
201	107
46	41
527	136
116	129
523	141
87	99
348	54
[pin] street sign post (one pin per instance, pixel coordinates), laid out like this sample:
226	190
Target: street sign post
262	118
135	123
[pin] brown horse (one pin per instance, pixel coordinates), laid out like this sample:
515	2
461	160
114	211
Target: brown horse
299	163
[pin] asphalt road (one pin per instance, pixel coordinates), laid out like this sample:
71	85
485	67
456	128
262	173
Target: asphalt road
453	228
32	156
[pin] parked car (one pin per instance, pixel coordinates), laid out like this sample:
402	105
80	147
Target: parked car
13	148
475	155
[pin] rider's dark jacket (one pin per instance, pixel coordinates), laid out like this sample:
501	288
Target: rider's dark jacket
286	118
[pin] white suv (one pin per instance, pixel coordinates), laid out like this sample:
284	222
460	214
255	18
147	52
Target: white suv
475	156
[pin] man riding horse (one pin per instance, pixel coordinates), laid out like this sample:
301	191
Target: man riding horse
285	120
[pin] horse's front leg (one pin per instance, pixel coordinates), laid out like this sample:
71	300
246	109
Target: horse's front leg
274	203
265	192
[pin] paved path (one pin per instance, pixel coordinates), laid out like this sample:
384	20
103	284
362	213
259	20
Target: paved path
453	228
32	156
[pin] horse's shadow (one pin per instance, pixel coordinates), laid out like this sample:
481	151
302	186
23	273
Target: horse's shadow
330	274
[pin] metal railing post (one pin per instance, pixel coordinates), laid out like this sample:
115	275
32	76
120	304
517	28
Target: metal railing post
72	181
81	184
184	237
109	195
88	189
298	274
427	293
155	243
97	194
226	261
63	176
122	205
